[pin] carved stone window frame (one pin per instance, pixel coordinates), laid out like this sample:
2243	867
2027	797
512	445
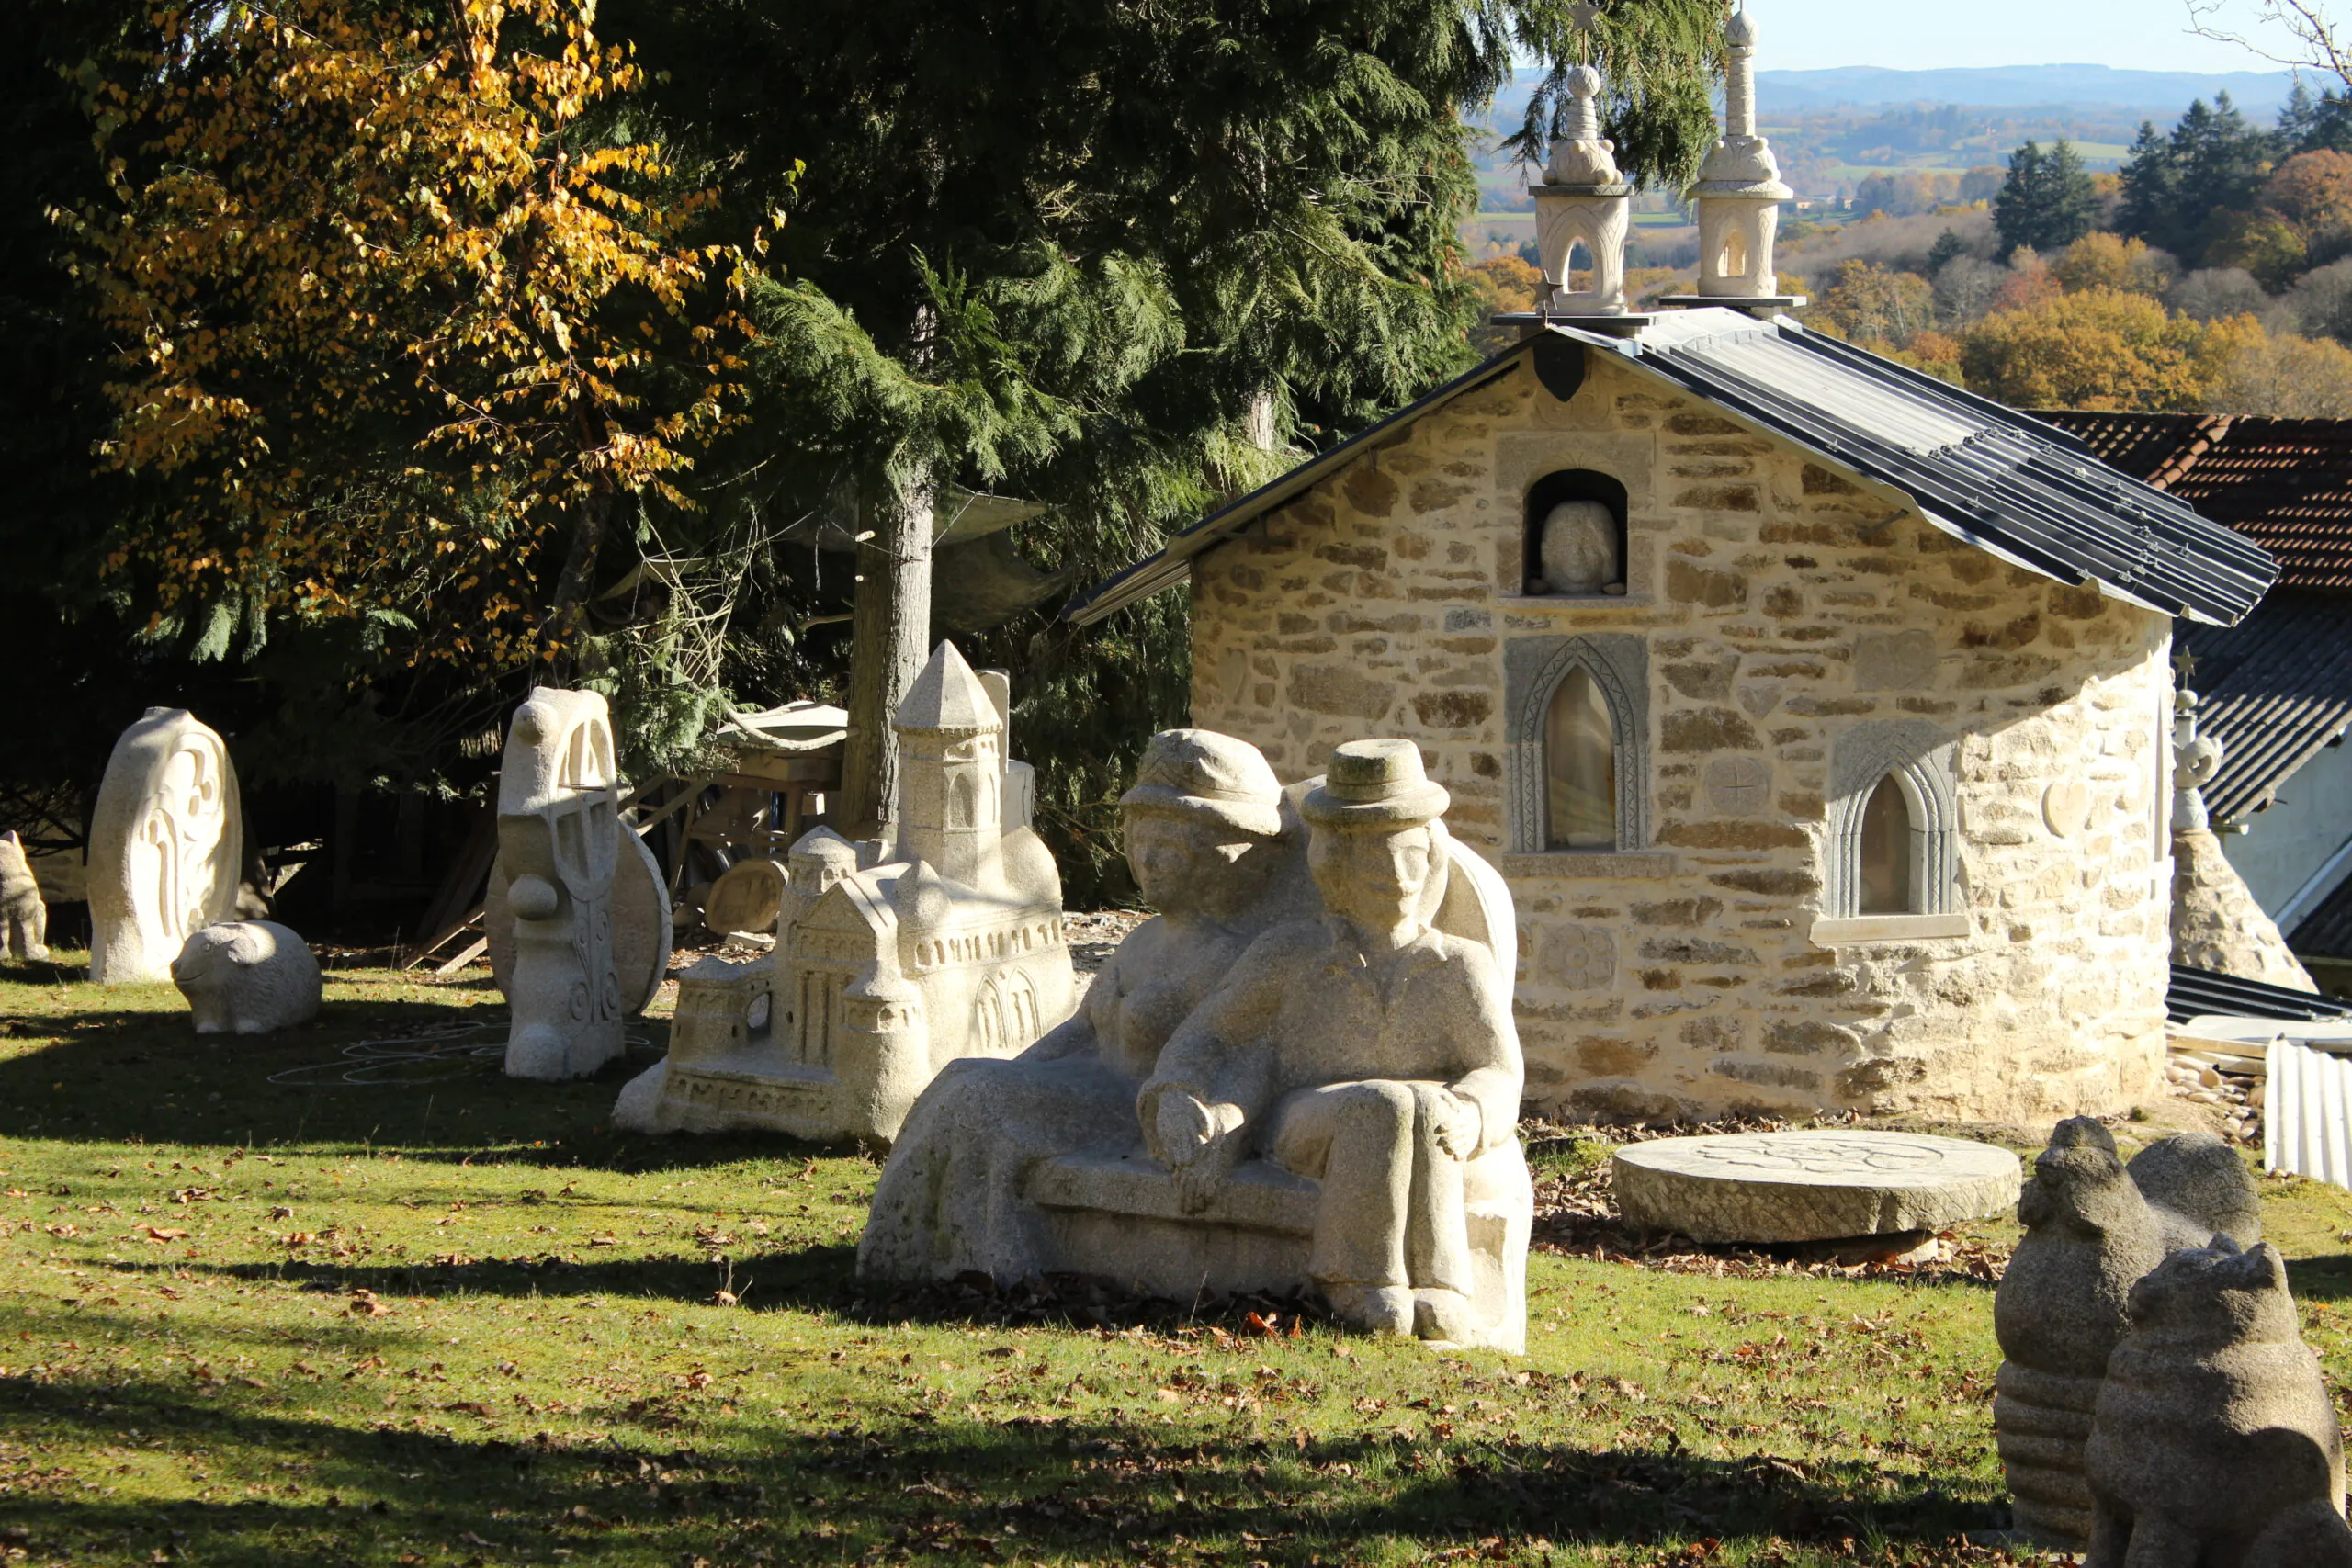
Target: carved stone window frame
1925	764
1533	668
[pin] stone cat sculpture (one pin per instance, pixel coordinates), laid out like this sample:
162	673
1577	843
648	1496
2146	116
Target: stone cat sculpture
24	919
2215	1440
247	977
2093	1228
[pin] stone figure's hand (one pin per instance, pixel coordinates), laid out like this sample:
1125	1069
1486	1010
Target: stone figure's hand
1459	1122
1185	1129
1198	1178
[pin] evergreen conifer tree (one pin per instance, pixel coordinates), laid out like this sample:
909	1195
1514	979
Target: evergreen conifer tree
1948	247
2151	208
2221	161
2048	201
1108	258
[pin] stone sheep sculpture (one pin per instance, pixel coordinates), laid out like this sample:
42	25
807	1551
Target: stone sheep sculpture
2215	1440
24	919
2093	1228
247	977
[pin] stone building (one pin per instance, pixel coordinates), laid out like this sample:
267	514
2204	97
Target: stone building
891	958
1815	710
1850	793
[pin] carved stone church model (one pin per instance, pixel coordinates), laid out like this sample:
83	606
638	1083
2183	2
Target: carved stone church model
890	959
1815	709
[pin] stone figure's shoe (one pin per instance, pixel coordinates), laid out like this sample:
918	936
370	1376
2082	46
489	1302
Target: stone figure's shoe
1447	1315
1376	1309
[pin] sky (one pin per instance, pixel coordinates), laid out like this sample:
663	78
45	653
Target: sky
1916	35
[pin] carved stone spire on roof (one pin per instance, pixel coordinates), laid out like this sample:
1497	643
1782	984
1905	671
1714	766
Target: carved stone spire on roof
1739	193
1583	201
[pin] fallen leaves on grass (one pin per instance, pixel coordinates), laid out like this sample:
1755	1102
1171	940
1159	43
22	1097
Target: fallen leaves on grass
164	1233
365	1304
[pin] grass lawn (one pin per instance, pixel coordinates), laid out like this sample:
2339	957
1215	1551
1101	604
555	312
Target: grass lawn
252	1311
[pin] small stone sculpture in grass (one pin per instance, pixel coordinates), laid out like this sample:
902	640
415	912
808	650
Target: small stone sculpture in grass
247	977
2215	1442
2093	1228
24	919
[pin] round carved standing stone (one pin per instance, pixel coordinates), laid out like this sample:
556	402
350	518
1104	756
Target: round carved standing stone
1811	1186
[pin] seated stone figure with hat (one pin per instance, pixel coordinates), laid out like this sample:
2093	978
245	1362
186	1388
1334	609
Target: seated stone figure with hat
1215	853
1372	1055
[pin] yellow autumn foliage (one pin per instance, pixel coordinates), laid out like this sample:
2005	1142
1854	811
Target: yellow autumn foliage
398	326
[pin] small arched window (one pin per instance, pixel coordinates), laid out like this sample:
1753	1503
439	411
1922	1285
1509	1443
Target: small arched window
1580	766
1733	261
1884	868
1893	844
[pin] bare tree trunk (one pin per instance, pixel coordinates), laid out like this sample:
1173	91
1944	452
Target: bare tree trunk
567	616
889	640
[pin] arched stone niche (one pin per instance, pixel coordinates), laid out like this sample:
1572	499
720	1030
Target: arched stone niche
1601	494
1923	764
1533	668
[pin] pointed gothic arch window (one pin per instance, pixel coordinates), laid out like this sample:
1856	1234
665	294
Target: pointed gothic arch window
1580	748
1580	766
1894	840
1884	872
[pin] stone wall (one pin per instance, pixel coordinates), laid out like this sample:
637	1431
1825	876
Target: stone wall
1782	621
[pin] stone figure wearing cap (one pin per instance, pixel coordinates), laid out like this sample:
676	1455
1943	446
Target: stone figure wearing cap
1207	840
1365	1050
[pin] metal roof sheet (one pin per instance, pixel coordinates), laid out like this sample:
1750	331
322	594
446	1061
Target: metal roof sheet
2284	483
2002	480
2203	993
2274	689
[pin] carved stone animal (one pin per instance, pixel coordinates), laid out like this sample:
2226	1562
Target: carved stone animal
24	919
2093	1228
2215	1441
247	977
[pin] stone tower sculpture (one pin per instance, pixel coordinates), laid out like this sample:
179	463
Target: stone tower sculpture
167	842
951	749
892	959
558	806
2216	922
1739	190
1583	200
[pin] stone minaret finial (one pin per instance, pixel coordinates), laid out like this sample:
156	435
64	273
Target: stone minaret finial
1583	200
1739	190
2195	759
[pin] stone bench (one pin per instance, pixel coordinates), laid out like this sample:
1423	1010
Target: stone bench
1257	1232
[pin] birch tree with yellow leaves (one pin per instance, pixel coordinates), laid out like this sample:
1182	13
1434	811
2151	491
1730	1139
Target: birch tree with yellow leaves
404	318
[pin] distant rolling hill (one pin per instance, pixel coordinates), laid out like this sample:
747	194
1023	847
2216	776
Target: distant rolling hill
2017	87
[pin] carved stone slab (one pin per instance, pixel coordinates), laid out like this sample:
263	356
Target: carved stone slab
1811	1186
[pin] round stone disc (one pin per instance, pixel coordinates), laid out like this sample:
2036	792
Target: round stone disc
1817	1185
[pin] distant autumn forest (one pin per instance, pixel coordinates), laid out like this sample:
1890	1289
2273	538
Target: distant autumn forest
2208	269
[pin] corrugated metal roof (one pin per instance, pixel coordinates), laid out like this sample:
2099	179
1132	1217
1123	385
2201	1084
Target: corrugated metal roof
2284	483
2202	993
2274	689
2307	1111
2000	479
2326	931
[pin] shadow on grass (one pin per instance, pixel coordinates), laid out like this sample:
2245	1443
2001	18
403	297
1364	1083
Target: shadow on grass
133	1076
2324	1278
892	1481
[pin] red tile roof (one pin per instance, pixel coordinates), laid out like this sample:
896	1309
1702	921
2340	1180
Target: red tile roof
2284	483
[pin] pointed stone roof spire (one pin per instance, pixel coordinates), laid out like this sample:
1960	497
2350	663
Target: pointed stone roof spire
1739	193
1583	200
947	698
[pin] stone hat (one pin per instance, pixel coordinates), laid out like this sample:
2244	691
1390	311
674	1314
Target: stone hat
1376	784
1198	773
